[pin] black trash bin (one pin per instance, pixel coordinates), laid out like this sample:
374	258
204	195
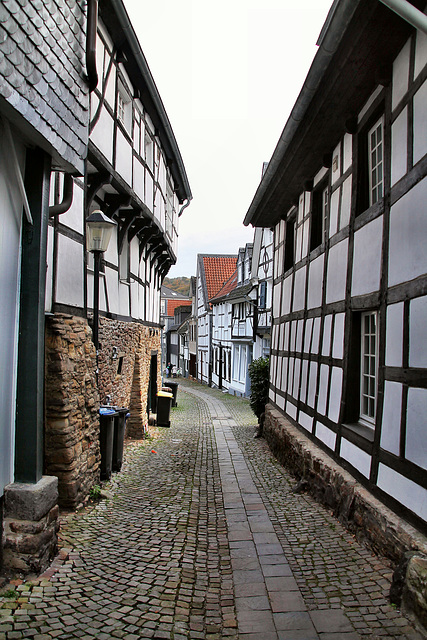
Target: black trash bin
119	436
164	403
106	431
174	386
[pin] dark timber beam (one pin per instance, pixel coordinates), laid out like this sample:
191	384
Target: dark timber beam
31	343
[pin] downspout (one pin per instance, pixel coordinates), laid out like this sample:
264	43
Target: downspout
91	31
184	207
67	199
408	12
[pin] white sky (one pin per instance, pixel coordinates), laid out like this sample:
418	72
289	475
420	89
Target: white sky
228	73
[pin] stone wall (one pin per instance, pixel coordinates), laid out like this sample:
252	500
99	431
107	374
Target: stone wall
125	352
72	451
363	514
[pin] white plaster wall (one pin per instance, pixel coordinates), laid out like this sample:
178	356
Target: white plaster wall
286	295
408	493
333	212
111	278
316	336
399	146
315	282
348	151
299	289
69	283
280	401
305	421
304	380
327	328
418	332
134	299
73	218
335	394
102	135
323	389
312	380
416	432
356	457
337	272
124	157
345	203
282	377
367	258
394	335
338	343
300	329
138	178
392	409
420	52
401	74
102	301
149	192
420	123
112	254
10	253
408	231
307	336
124	299
291	410
327	436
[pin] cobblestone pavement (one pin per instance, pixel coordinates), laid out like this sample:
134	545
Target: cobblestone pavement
202	537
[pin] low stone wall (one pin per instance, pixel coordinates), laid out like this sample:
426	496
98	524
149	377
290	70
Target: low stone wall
72	451
360	512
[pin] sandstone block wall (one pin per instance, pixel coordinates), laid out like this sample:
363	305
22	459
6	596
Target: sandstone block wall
124	368
73	395
72	451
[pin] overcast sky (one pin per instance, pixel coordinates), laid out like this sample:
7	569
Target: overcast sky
229	73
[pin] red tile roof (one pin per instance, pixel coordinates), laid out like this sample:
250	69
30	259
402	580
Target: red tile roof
228	286
218	269
173	304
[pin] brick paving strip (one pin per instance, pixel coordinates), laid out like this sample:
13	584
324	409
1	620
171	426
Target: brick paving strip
202	538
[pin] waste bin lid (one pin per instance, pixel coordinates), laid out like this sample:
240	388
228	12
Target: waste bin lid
163	394
105	411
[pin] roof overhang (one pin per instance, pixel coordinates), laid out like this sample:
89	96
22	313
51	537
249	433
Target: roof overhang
356	48
116	19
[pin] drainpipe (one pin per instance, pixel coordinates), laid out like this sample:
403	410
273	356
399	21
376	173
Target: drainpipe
67	199
408	12
91	30
184	207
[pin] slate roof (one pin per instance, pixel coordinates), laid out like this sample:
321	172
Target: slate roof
42	75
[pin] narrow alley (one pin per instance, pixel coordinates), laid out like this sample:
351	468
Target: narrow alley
203	537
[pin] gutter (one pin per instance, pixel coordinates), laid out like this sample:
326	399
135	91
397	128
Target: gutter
338	20
408	12
132	39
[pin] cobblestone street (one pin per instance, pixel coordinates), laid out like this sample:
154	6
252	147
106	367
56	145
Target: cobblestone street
203	537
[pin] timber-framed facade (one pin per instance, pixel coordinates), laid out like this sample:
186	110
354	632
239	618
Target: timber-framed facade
345	192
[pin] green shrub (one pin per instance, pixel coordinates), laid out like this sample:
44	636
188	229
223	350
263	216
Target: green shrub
259	371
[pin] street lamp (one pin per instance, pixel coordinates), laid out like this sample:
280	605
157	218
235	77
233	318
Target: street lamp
98	233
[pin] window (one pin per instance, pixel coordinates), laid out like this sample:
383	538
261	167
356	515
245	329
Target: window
361	394
124	108
376	159
290	244
262	295
370	180
319	215
368	367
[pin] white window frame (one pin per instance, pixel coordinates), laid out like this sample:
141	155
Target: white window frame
368	367
325	213
124	108
376	161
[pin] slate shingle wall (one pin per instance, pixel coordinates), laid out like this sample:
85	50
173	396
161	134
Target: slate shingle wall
42	70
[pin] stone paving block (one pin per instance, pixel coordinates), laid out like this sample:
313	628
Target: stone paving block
284	602
331	621
281	584
255	621
293	621
251	589
252	603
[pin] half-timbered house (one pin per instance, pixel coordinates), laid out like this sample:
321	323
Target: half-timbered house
133	174
213	271
345	192
45	74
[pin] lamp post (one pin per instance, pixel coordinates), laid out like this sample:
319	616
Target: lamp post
98	233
